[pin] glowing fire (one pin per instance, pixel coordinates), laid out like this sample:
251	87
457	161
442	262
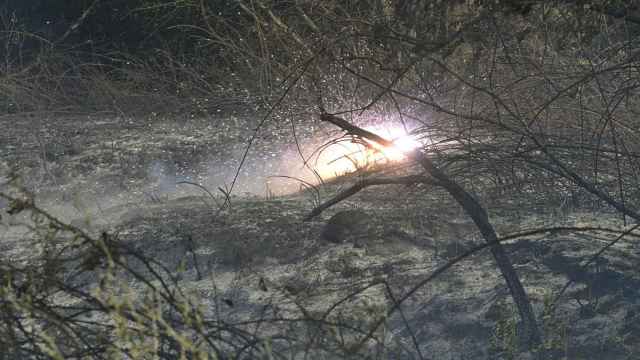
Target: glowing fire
346	157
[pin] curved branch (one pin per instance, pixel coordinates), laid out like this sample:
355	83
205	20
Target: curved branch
363	183
479	216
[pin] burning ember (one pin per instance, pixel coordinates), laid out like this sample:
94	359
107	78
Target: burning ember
346	156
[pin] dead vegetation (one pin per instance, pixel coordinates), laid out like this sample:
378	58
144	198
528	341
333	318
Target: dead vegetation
511	231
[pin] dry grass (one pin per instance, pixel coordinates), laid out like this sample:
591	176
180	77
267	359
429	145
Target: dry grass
58	81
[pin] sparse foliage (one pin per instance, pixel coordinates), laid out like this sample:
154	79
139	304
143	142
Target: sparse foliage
515	102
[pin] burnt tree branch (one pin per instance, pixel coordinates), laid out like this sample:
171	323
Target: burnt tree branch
364	183
479	216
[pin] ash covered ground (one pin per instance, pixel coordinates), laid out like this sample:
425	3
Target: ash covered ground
257	259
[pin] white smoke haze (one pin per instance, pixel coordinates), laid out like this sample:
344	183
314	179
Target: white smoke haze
128	166
274	168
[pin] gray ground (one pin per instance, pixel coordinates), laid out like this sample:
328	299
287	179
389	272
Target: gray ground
120	175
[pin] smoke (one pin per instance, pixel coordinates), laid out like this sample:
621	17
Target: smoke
274	165
162	176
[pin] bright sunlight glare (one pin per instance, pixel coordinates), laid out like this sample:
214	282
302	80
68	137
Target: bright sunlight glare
346	157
